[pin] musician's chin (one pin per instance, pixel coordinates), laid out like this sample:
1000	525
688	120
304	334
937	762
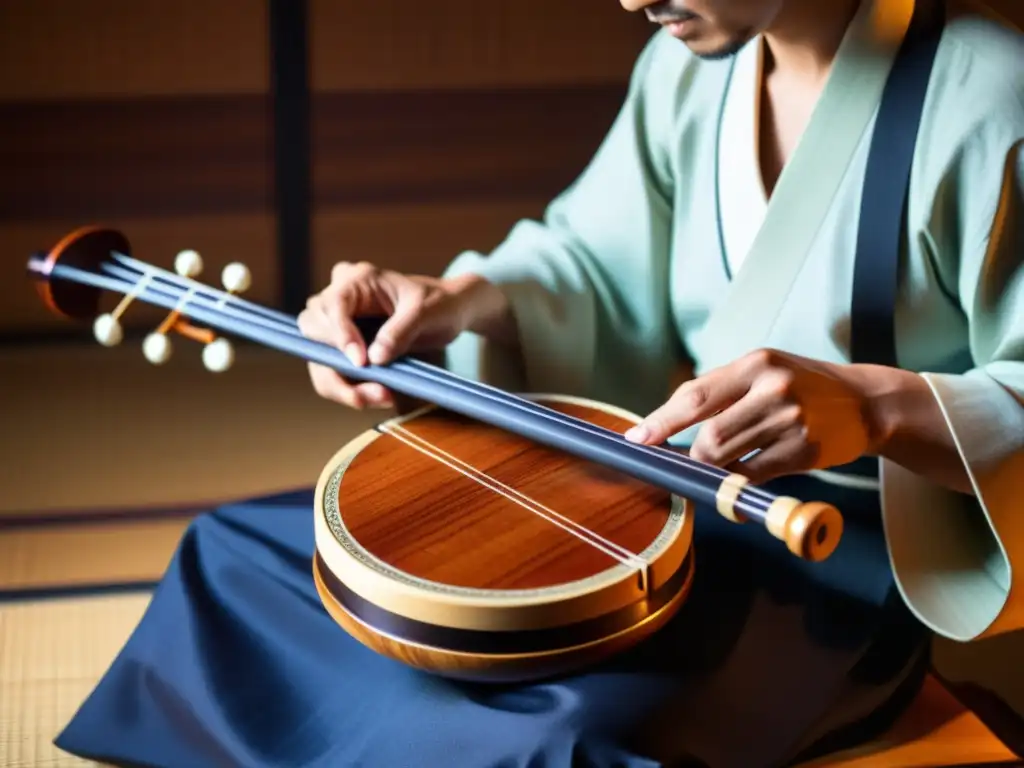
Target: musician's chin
712	47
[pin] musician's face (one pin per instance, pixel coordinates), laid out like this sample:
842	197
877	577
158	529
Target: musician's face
712	29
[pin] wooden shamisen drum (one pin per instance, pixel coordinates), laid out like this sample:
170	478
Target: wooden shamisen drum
466	551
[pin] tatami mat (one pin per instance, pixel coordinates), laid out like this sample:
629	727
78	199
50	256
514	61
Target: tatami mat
54	557
84	428
54	650
52	653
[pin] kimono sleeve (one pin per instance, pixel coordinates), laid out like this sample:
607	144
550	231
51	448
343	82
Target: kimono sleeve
959	559
588	283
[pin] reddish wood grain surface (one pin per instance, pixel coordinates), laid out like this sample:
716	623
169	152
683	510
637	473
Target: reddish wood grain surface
425	518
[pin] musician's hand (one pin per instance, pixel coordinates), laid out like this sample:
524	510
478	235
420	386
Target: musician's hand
802	414
424	313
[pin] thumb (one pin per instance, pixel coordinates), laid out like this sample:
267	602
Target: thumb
399	330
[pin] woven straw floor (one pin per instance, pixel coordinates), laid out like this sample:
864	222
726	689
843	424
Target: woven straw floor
51	655
84	430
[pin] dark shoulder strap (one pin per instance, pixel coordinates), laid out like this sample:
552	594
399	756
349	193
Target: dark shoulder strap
886	185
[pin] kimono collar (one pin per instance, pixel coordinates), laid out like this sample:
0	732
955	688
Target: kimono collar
743	318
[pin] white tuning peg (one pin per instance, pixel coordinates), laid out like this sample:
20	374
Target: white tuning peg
236	277
188	263
218	355
157	348
107	330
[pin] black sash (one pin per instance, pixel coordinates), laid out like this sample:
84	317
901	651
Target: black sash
883	207
883	204
886	184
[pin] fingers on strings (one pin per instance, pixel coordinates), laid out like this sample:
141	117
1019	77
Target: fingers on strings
331	385
327	321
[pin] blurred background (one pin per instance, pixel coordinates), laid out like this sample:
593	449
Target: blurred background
288	135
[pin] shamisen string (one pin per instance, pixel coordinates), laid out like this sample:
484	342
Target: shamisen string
729	493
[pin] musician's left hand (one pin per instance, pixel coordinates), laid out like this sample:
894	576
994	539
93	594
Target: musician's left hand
802	414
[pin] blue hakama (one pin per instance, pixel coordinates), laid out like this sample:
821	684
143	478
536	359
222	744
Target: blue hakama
236	663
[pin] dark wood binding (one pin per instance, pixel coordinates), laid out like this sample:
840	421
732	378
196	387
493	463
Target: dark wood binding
561	637
513	668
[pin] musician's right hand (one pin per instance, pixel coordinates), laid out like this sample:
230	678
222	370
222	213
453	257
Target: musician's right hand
423	313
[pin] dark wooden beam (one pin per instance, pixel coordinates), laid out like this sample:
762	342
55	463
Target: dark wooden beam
290	97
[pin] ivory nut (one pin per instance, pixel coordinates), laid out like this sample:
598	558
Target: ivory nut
218	355
107	330
236	277
157	348
188	264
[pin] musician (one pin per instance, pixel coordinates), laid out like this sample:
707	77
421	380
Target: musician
719	226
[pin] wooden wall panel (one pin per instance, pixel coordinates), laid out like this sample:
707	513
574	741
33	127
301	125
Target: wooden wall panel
380	148
402	165
458	43
413	237
149	116
80	49
145	156
435	131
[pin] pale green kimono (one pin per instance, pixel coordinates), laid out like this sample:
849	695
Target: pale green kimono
628	270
